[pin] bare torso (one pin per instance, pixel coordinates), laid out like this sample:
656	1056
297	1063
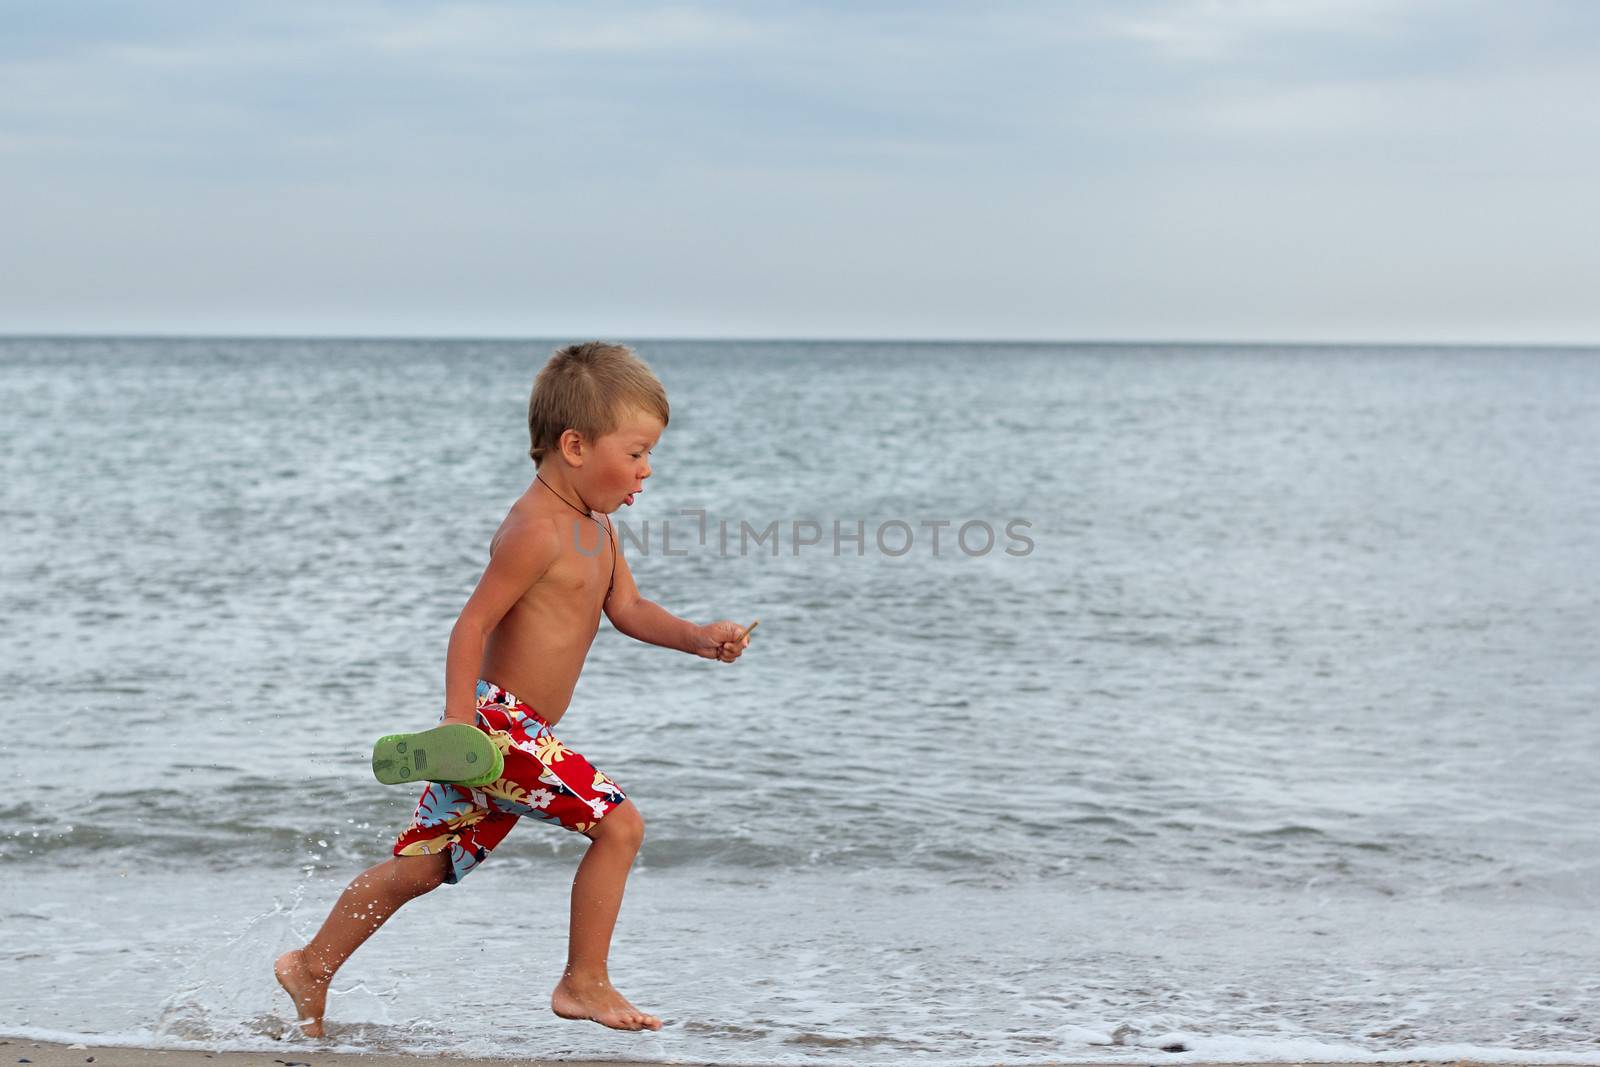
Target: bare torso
537	649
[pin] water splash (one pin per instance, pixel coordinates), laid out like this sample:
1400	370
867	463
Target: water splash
229	994
229	991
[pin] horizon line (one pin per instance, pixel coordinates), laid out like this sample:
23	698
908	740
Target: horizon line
731	339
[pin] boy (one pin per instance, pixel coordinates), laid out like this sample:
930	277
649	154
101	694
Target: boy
513	660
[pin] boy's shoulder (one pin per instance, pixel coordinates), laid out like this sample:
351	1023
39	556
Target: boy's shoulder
527	533
522	552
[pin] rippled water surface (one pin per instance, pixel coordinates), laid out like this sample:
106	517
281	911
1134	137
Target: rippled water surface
1272	736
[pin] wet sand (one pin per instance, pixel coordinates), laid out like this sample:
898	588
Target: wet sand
47	1054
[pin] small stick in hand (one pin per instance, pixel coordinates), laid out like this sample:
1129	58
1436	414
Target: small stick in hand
748	630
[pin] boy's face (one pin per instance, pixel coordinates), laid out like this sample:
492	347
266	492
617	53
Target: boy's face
621	461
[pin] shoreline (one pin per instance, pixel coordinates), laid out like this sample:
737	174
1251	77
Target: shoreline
55	1054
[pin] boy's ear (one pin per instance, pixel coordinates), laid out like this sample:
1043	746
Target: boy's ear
571	445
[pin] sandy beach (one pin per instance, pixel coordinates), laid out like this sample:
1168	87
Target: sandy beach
48	1054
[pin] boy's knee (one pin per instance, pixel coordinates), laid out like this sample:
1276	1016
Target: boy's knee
438	874
424	874
624	825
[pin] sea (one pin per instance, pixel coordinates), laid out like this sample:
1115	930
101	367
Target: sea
1145	703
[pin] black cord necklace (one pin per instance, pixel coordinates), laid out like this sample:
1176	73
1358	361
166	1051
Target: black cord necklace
606	526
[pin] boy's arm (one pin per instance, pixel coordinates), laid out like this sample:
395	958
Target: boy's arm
524	554
644	620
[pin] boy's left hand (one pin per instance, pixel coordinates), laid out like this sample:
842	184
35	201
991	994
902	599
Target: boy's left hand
722	640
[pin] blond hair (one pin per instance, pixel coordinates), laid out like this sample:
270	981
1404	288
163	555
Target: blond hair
588	387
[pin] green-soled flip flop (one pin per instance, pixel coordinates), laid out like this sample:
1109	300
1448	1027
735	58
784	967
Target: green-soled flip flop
454	752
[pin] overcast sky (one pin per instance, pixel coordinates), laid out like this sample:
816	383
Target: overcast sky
1380	170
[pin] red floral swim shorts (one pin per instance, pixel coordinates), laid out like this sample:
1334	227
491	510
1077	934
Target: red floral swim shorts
542	778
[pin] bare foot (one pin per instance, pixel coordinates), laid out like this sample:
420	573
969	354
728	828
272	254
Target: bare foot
308	990
597	1000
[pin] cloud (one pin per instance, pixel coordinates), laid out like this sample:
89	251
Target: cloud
1081	169
1219	30
491	30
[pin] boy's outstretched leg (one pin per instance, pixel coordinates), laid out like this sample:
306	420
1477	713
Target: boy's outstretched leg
585	990
366	904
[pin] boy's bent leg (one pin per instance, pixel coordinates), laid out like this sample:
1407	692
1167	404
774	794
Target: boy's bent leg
585	990
366	904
